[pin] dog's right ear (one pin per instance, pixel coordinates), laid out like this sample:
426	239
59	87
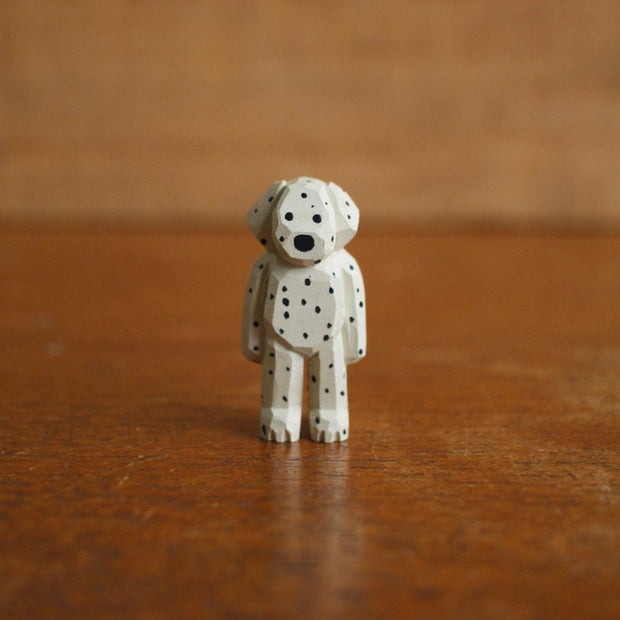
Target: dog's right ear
347	215
259	216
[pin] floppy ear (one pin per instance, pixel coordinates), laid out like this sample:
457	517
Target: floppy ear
259	216
347	215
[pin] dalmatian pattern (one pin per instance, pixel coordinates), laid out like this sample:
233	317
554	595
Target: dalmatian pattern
304	301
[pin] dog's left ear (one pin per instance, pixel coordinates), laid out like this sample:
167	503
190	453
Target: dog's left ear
347	215
259	216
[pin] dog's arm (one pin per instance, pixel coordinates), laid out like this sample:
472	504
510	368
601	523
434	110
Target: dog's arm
354	330
252	329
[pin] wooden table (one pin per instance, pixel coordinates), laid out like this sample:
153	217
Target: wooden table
481	480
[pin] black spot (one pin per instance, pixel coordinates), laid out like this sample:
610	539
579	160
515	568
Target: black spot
249	290
271	296
346	203
284	289
307	282
332	239
351	267
256	323
286	315
351	319
285	399
281	239
316	218
361	351
326	390
329	326
313	379
361	304
271	355
263	241
331	290
341	393
316	262
288	369
317	309
270	198
305	335
264	429
288	216
304	195
271	372
317	420
326	337
255	349
348	217
255	210
285	301
281	331
357	290
261	266
331	365
344	432
303	302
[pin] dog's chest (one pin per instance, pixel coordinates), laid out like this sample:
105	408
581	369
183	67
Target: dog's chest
303	305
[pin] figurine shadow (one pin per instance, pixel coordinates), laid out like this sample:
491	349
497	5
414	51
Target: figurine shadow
221	420
212	420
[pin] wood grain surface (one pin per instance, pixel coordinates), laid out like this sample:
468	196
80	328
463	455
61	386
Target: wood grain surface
429	110
481	480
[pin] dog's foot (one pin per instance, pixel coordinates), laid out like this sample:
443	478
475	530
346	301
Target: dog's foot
280	424
329	425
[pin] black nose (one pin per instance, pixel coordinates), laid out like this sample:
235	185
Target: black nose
303	243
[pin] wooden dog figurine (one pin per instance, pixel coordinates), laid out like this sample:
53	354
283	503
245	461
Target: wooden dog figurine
304	300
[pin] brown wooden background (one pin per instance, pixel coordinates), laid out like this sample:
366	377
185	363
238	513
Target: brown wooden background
482	476
434	111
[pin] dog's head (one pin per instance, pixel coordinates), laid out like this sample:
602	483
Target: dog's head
304	220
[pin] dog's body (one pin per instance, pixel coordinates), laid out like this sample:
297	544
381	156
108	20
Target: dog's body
304	300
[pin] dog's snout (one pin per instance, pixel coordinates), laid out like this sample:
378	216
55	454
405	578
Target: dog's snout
303	243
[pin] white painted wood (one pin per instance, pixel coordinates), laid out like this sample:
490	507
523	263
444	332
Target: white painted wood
304	301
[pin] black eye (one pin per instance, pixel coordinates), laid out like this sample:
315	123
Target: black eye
288	216
316	219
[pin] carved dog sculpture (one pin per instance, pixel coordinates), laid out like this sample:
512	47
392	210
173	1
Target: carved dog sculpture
304	300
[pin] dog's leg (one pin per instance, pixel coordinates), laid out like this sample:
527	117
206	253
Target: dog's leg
280	416
327	384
